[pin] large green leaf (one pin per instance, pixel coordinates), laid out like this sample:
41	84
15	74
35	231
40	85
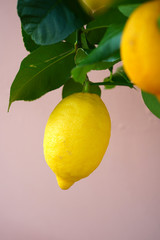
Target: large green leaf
71	38
108	47
152	103
48	21
29	44
43	70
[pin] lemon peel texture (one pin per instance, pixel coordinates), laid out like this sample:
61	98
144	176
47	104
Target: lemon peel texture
140	47
76	137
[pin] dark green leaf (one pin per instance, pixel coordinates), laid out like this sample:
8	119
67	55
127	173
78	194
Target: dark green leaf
94	36
71	87
47	21
71	38
108	47
84	43
128	9
95	89
152	103
43	70
112	16
29	44
78	10
81	54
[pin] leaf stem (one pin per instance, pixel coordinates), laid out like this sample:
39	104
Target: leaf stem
78	43
112	83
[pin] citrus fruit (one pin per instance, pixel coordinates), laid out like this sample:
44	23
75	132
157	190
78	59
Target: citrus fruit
140	47
76	137
94	5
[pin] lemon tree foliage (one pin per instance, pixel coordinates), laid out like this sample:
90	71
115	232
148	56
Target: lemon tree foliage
41	71
81	69
71	87
119	78
108	48
65	42
48	21
152	103
30	45
126	10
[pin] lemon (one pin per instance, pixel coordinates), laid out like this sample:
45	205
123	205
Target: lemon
94	5
76	137
140	47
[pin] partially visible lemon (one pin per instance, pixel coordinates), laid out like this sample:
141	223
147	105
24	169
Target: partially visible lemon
140	47
76	137
93	6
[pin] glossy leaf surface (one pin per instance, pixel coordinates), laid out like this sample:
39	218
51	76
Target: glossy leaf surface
45	69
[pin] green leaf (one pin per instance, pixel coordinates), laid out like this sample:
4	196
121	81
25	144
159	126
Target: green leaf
80	55
110	17
95	36
71	38
79	72
108	47
95	89
78	10
47	21
119	78
152	103
45	69
29	44
71	87
128	9
84	42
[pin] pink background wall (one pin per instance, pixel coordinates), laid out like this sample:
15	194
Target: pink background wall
119	201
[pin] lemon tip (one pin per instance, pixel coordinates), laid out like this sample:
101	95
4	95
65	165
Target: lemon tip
63	183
